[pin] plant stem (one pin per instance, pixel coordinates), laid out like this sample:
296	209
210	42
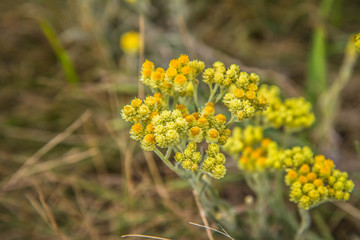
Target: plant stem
196	103
232	119
212	92
165	159
305	223
222	93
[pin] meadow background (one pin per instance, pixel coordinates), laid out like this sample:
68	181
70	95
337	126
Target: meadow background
68	169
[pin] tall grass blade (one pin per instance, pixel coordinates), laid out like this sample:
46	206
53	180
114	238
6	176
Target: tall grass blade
65	60
316	78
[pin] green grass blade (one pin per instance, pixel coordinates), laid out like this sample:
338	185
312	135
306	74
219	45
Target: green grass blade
60	52
316	78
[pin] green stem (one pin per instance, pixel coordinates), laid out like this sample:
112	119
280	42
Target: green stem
222	93
165	159
232	119
195	94
305	223
176	97
212	92
286	137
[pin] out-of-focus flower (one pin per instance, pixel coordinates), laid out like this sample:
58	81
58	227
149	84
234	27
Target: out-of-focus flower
129	42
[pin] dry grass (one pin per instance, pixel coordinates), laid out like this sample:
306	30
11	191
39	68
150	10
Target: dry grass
68	168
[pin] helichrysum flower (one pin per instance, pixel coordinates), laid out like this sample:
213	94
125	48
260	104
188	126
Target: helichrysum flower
169	127
214	161
129	42
245	100
243	137
221	76
190	158
292	113
176	79
141	113
357	42
314	179
156	124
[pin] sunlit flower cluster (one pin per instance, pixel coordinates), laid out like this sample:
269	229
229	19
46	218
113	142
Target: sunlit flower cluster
207	126
245	100
176	79
292	113
190	158
313	180
241	138
214	161
141	114
173	118
255	159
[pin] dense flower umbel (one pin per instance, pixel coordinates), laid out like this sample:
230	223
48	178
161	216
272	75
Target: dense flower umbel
292	113
313	180
177	78
190	158
214	161
158	122
244	101
242	138
255	159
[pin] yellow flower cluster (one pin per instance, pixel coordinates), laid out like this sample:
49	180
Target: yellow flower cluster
206	125
245	101
256	159
313	180
242	138
157	125
169	128
214	161
141	113
292	113
357	42
220	76
177	78
190	158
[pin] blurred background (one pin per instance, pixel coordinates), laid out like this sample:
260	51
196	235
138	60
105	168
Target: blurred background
68	168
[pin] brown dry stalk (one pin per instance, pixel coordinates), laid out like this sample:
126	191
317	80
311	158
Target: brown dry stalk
203	215
43	150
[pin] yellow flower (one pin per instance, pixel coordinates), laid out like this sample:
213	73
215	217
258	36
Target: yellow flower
183	59
357	42
129	42
174	63
180	79
221	118
171	72
148	64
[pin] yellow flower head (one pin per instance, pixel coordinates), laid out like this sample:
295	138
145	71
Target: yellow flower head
148	64
136	102
137	127
183	59
186	70
180	79
174	63
195	131
220	118
146	72
129	42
